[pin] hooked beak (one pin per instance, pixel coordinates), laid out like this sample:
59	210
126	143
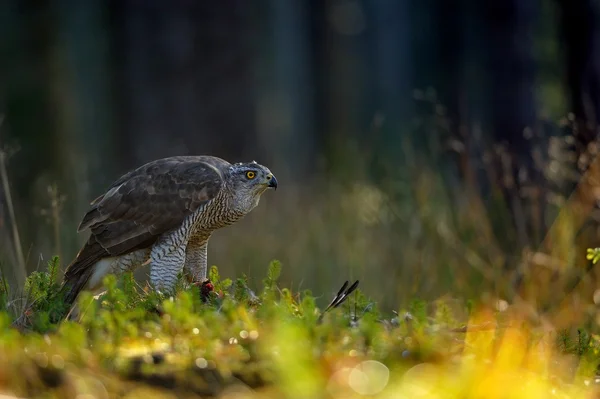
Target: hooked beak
272	181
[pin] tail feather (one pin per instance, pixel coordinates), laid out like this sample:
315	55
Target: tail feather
72	287
78	273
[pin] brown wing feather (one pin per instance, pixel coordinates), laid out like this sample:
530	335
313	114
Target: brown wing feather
143	204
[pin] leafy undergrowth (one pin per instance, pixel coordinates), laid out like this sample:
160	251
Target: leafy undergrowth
132	343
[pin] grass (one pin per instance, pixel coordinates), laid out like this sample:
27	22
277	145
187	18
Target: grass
276	343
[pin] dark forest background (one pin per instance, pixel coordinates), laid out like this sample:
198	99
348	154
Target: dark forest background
402	109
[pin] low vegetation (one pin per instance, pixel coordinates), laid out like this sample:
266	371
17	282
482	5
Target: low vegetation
275	343
436	315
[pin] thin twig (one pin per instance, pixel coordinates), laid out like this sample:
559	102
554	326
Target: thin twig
489	326
11	212
53	213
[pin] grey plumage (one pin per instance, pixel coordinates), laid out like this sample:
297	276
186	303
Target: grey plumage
163	213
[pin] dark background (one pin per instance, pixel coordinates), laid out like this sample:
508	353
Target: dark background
381	120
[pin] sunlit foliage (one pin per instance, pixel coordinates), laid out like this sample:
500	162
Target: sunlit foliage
277	343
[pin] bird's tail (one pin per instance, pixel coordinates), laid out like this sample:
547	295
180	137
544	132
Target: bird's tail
73	285
79	272
67	294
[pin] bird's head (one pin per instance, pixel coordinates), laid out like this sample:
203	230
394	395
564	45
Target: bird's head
250	180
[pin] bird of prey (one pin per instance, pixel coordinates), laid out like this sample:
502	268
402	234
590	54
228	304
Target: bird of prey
163	214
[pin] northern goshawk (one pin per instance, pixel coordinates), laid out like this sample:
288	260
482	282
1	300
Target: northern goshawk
163	214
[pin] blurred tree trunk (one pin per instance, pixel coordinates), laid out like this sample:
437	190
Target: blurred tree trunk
391	67
81	97
185	79
450	81
345	65
26	28
511	104
316	36
8	23
365	49
286	108
581	32
56	109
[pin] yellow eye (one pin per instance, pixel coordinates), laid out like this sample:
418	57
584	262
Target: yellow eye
250	175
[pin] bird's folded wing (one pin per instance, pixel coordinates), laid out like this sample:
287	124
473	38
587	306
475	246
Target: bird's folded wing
152	200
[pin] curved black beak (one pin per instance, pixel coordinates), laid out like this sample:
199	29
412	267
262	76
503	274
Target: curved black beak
272	181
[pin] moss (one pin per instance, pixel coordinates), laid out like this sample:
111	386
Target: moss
133	342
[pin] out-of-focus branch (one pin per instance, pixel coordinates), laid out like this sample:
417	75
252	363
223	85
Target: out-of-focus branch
20	272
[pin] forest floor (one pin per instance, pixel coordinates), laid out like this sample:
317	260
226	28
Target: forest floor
278	344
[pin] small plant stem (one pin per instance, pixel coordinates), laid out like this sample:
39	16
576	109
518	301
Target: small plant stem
56	217
15	231
56	208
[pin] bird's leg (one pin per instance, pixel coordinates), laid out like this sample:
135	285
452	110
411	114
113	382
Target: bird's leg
167	259
196	268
